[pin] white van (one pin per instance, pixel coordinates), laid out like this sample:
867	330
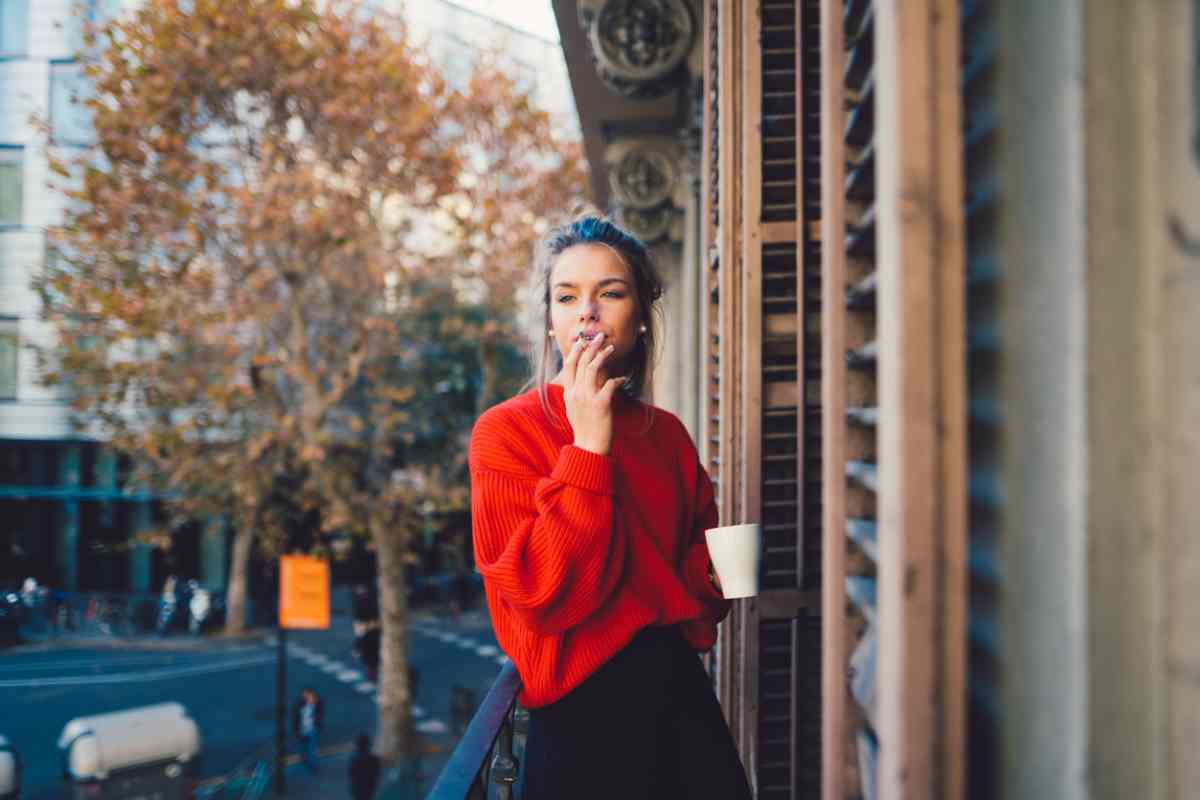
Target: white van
10	771
150	751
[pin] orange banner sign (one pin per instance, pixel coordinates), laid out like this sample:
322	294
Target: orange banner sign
303	593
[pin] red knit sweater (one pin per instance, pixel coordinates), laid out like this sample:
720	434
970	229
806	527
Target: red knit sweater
580	551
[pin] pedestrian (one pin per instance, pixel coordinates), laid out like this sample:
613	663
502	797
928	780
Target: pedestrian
589	507
364	769
365	606
308	718
366	647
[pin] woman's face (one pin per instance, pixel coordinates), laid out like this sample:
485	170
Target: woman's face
591	292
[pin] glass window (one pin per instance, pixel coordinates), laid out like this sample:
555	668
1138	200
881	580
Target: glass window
11	184
85	12
8	358
70	122
14	27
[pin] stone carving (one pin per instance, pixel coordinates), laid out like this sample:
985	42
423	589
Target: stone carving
647	186
644	177
639	46
649	225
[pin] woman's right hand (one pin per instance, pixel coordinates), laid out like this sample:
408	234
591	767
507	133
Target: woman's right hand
588	395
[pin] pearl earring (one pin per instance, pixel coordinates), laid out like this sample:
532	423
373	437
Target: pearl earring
642	329
550	333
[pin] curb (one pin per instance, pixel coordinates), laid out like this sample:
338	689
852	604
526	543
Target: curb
149	642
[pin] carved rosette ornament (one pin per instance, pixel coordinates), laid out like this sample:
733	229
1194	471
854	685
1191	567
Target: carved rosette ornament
649	225
640	47
644	177
643	180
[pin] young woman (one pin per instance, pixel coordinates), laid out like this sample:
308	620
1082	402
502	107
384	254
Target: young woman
589	510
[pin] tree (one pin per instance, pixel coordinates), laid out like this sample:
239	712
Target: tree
258	285
515	185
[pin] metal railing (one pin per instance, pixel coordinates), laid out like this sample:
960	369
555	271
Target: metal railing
486	754
248	780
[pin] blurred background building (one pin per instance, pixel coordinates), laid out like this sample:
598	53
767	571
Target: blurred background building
64	518
67	512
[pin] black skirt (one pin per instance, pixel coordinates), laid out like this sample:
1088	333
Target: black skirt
645	725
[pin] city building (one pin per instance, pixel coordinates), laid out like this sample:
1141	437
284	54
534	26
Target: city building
67	513
64	518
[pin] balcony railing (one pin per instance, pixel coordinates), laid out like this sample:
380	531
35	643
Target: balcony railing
486	753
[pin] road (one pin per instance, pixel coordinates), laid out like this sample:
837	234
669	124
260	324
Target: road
229	688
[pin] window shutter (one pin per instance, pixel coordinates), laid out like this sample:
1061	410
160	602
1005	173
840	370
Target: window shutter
894	393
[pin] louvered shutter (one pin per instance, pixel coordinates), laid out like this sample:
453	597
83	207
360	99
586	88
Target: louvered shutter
762	426
719	375
893	393
983	278
788	255
849	399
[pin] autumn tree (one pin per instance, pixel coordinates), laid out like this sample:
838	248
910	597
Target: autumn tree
517	188
259	285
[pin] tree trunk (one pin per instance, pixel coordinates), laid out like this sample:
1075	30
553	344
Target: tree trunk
489	375
394	736
239	577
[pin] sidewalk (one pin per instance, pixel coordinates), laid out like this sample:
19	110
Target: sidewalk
404	782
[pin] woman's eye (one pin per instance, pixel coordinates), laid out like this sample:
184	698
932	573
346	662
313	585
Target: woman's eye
565	298
617	295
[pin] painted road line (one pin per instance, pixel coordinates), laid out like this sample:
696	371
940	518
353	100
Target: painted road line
487	651
349	676
158	660
502	659
366	687
432	726
166	673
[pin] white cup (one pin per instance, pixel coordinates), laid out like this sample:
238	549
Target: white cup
735	551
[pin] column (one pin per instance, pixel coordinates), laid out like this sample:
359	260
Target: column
691	310
67	518
1043	539
141	518
104	479
212	554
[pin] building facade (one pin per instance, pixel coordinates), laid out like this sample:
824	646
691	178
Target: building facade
935	267
64	518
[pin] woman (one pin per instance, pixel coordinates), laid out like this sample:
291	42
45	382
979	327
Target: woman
589	509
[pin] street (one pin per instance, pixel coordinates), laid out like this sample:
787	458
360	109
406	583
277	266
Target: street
229	689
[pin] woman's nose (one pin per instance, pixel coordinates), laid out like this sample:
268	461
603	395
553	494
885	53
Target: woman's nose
588	311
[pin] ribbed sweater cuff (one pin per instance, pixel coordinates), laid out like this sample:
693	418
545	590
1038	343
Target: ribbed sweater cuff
695	568
584	469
